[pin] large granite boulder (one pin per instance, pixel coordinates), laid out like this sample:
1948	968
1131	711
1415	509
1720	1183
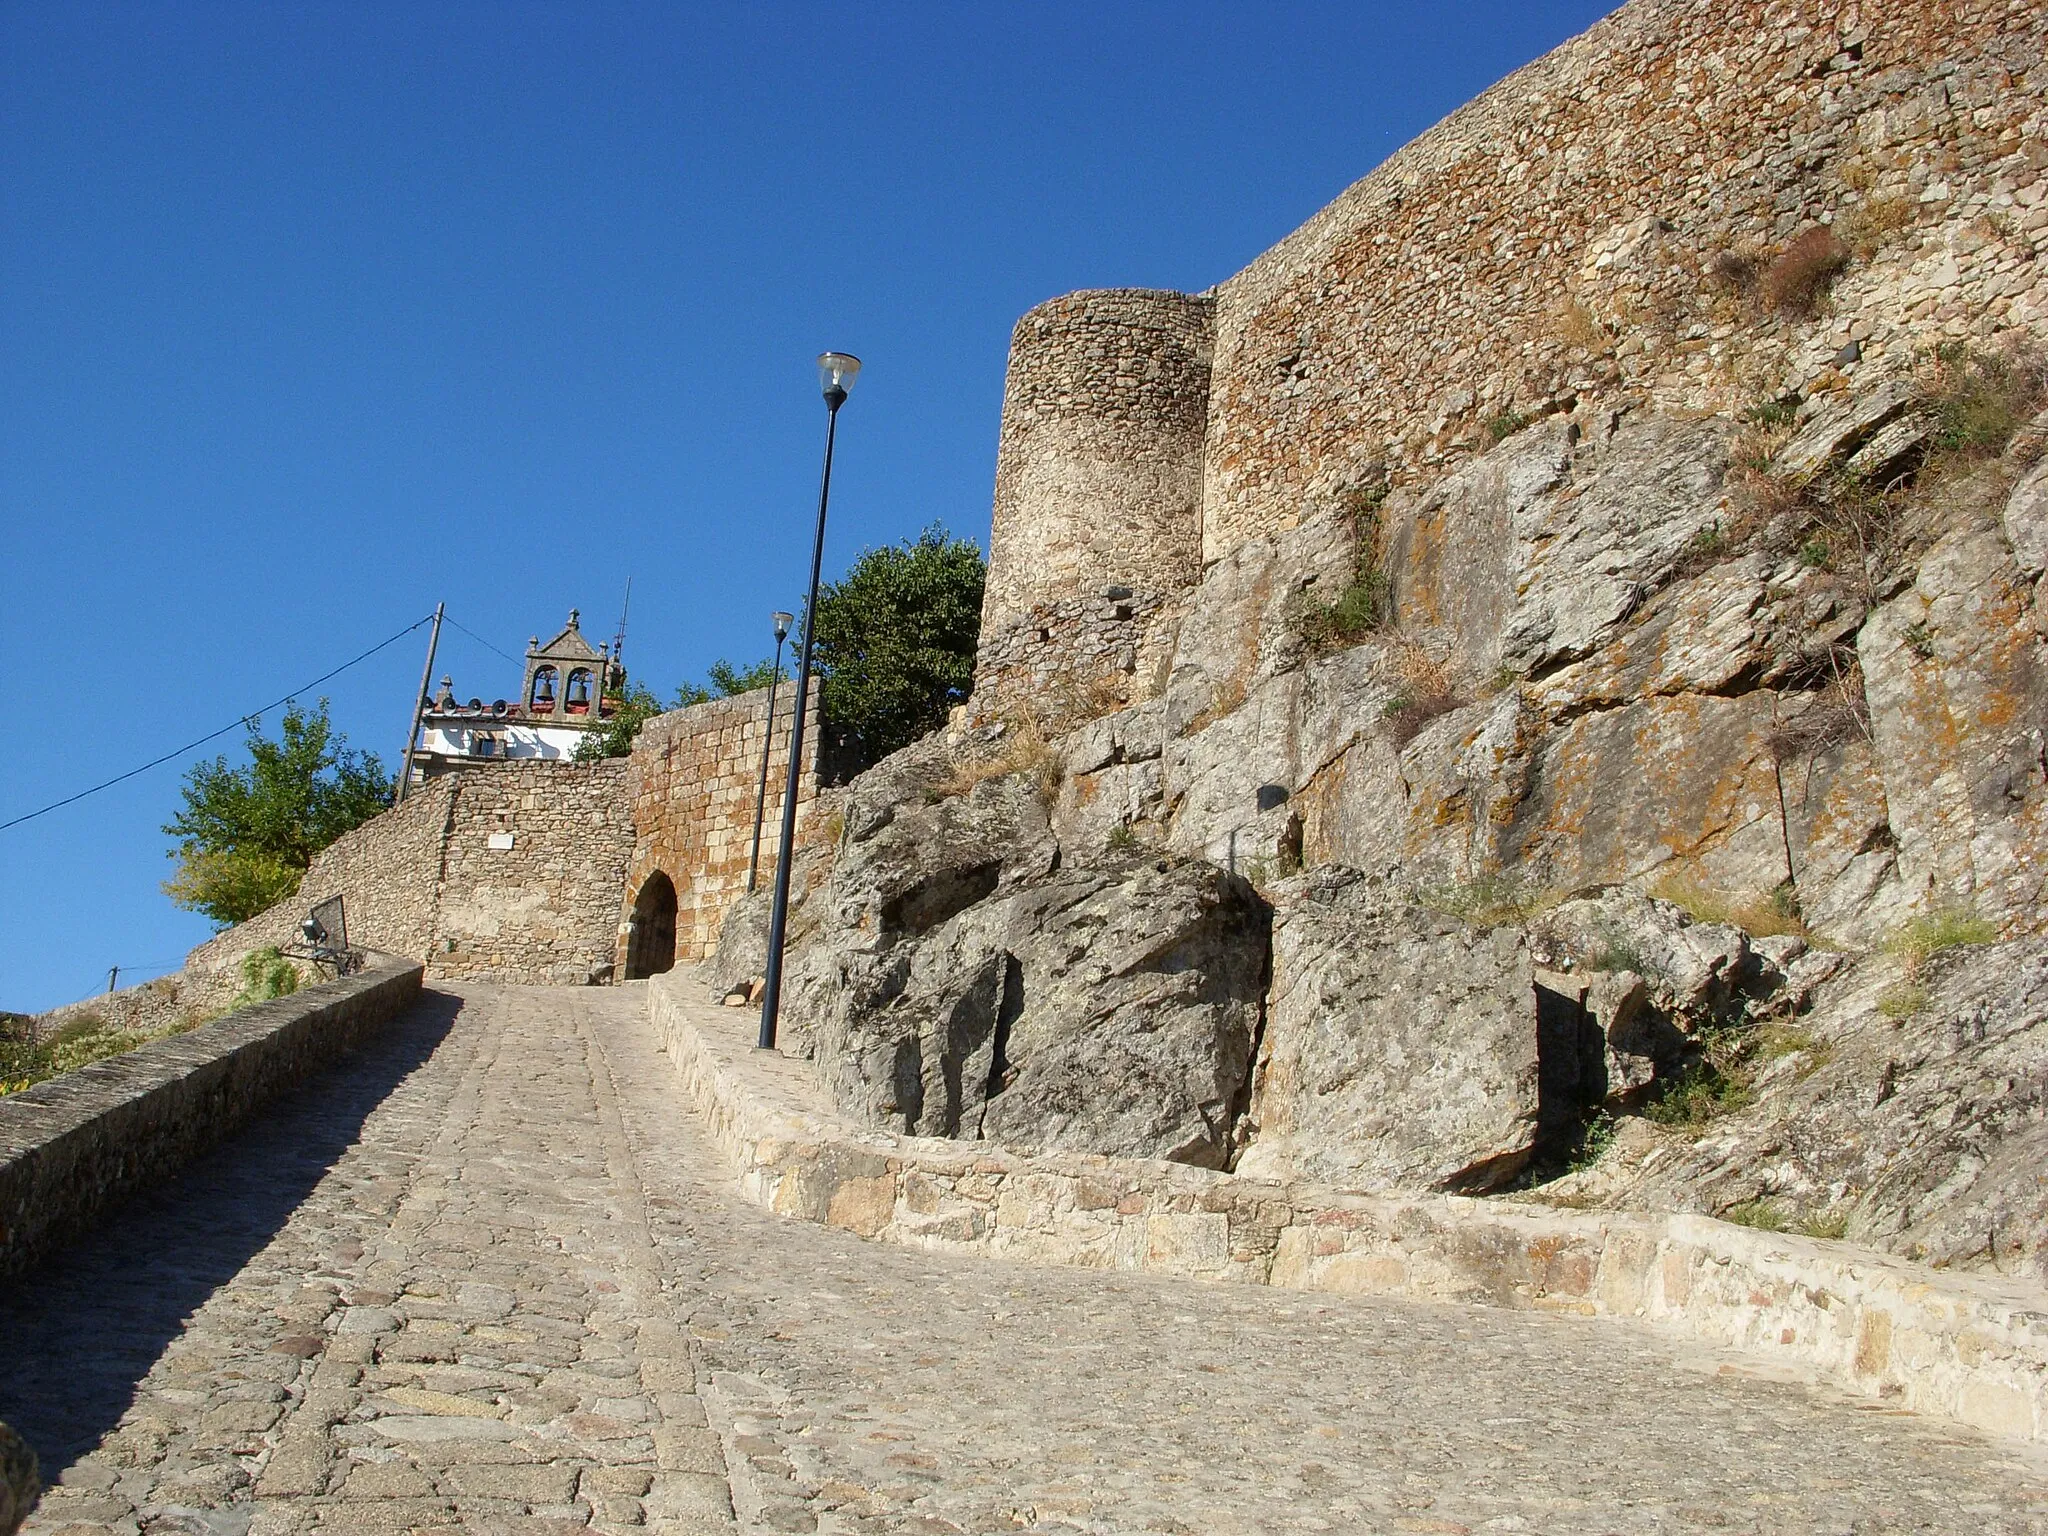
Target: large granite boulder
1401	1045
1540	551
961	979
1107	1010
1958	693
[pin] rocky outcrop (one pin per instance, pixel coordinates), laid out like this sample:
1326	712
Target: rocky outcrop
1908	1113
20	1486
1401	1045
1106	1010
959	982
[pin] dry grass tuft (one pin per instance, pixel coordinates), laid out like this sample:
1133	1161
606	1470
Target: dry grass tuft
1577	326
1875	223
1795	283
1981	399
1425	692
1022	750
1946	928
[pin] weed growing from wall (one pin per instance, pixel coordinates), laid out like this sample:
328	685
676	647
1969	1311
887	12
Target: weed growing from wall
1365	606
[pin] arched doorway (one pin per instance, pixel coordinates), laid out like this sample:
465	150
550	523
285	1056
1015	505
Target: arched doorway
651	939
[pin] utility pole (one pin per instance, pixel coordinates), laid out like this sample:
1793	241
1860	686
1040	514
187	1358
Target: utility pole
419	706
113	975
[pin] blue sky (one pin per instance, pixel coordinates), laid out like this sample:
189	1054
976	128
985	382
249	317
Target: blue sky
312	316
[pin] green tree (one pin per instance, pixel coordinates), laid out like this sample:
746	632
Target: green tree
730	680
895	643
248	833
633	705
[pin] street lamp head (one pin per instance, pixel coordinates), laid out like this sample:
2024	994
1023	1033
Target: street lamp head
836	373
782	623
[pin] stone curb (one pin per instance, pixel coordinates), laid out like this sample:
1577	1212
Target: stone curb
1960	1347
73	1146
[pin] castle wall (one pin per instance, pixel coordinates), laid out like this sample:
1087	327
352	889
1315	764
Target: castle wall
1576	232
388	870
693	780
424	880
1098	494
531	870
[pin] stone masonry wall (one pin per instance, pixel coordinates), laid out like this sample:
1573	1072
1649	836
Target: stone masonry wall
1580	231
693	783
531	871
389	872
1098	490
424	881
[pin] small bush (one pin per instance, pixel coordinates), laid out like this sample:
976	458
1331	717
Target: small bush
1795	283
1981	399
1503	425
1594	1142
1618	952
1773	415
1122	840
1704	549
1358	611
1831	1225
1715	1084
266	975
1735	271
1764	1215
1366	605
1875	223
1902	1000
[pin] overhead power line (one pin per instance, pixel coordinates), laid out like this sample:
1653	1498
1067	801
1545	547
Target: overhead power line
158	762
480	640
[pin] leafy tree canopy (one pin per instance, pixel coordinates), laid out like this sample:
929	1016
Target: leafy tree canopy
247	833
730	680
895	652
895	642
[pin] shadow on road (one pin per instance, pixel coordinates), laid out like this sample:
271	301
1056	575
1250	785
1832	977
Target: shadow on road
79	1332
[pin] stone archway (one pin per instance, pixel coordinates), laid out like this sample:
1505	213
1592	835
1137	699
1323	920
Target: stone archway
651	939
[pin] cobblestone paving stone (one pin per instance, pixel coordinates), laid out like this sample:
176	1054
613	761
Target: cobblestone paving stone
489	1277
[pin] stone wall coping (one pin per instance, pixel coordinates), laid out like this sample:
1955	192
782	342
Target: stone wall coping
1966	1347
74	1145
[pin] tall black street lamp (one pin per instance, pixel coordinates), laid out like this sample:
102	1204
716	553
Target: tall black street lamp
836	372
782	623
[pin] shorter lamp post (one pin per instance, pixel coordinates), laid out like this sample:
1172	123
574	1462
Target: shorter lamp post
836	371
782	623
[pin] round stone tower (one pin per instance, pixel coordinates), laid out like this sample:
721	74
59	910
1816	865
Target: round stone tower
1097	525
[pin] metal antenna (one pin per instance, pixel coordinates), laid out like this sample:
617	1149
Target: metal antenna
619	640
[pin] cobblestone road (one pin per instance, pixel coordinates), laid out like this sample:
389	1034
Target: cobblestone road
489	1277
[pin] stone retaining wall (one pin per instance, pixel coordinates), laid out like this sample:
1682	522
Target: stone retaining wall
72	1147
1959	1347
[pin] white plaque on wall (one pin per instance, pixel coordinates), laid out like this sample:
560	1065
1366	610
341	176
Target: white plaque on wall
501	840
